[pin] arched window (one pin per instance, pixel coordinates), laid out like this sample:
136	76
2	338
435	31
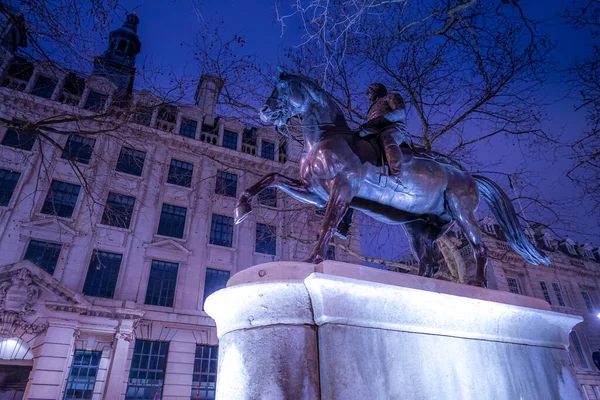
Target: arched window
14	349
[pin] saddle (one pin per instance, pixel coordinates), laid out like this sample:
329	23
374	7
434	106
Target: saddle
369	149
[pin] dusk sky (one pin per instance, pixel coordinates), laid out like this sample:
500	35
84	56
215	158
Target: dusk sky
168	28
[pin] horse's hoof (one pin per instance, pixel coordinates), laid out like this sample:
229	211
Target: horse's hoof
314	260
477	282
241	212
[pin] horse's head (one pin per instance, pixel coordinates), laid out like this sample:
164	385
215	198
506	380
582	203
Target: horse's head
290	97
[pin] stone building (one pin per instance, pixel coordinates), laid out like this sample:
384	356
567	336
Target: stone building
571	284
110	242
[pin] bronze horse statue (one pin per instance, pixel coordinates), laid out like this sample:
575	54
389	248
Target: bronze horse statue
339	169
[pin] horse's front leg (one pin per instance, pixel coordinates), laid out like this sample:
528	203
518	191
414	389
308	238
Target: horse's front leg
341	195
293	187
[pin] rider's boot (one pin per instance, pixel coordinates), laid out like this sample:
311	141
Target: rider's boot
393	154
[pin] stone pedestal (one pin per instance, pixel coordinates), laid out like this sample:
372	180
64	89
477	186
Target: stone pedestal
341	331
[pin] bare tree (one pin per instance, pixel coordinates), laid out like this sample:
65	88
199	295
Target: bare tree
585	85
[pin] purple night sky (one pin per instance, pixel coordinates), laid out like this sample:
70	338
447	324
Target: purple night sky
168	29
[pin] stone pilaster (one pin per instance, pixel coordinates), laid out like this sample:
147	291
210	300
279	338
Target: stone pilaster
116	381
52	354
180	368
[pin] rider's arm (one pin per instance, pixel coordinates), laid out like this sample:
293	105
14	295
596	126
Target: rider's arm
396	103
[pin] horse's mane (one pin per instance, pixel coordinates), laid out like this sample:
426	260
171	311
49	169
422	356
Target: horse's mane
315	91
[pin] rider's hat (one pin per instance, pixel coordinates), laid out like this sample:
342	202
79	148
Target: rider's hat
378	88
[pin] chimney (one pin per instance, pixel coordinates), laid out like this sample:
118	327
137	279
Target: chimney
207	95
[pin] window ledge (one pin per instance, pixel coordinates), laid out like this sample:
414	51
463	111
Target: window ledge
78	163
63	219
115	228
216	246
178	186
125	174
176	239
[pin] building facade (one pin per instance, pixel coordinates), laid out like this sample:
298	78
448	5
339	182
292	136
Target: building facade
116	223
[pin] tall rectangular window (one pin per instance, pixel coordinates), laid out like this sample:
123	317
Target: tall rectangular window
221	230
61	199
230	139
8	183
330	253
19	72
131	161
268	150
19	139
43	254
44	87
266	240
216	279
588	301
346	223
188	127
143	115
102	274
118	210
546	292
172	221
96	101
513	285
147	373
596	390
180	173
161	284
79	148
558	294
82	377
226	184
578	349
268	197
204	380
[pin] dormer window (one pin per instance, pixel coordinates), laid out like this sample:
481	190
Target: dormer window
96	101
547	243
165	120
143	115
44	87
588	253
570	248
18	74
72	90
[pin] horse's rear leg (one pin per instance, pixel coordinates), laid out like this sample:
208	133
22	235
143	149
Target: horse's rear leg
464	214
421	237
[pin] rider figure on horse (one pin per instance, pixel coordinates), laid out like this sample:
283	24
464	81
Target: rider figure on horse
386	118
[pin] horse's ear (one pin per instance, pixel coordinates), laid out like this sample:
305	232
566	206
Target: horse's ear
275	79
282	73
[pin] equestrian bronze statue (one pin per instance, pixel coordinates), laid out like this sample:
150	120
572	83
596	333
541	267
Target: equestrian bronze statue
427	193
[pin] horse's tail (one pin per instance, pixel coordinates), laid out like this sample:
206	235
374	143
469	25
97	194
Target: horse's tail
506	216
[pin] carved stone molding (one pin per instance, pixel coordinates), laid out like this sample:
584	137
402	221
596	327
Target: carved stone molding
13	323
19	294
127	336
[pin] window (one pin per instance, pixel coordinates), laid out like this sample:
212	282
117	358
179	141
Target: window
230	139
221	230
143	115
44	87
513	285
578	349
330	253
172	221
79	148
102	274
96	101
180	173
43	254
161	284
118	210
8	183
188	128
282	150
61	199
589	253
596	392
19	72
72	89
268	150
546	292
588	301
131	161
204	380
558	294
226	184
570	249
166	117
216	279
147	373
82	377
266	241
19	139
268	197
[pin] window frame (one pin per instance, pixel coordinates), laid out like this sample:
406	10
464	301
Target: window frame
180	178
95	95
25	145
127	217
48	248
228	134
226	184
41	91
167	228
81	145
79	367
210	354
159	357
131	154
91	282
516	281
220	284
184	123
213	228
266	246
589	303
265	150
49	207
161	295
546	292
268	197
558	294
6	184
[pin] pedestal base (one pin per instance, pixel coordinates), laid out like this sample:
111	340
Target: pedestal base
339	331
